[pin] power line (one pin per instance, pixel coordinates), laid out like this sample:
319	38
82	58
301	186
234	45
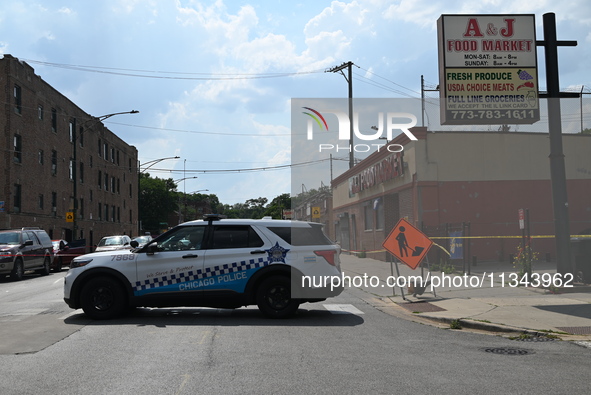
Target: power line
171	74
244	170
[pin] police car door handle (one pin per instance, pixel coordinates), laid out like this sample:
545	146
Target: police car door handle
190	256
258	252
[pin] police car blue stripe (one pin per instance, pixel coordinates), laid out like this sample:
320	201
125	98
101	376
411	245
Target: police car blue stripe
179	278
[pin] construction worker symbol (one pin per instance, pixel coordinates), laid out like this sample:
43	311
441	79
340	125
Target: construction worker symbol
407	243
403	244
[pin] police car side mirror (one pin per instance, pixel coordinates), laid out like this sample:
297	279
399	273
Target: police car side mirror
134	243
152	248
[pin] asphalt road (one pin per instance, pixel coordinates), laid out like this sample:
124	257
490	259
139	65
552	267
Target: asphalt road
344	345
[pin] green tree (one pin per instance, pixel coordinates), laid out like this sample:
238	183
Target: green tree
157	201
277	205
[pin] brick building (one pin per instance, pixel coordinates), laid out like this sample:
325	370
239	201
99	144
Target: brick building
445	180
63	170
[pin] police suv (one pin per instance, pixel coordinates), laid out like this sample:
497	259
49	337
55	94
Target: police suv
215	262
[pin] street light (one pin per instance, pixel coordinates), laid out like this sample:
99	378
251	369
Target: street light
176	182
183	179
155	161
141	171
91	122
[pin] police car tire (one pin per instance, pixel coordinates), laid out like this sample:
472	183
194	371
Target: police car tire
103	298
273	297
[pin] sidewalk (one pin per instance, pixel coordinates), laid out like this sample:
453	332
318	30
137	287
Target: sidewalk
481	300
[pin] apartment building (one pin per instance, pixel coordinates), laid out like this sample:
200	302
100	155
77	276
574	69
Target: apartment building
63	170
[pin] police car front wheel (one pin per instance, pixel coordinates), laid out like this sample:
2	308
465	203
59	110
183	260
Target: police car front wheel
103	298
273	297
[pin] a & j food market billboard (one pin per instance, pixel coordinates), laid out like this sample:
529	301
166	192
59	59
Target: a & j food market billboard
488	69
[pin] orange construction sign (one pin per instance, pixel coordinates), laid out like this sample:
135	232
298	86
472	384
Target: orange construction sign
407	243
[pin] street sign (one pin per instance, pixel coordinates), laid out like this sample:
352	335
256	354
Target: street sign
69	216
407	243
315	212
488	69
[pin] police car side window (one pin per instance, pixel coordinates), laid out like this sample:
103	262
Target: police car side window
184	238
235	236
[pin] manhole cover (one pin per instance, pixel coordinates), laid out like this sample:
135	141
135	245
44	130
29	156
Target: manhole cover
507	351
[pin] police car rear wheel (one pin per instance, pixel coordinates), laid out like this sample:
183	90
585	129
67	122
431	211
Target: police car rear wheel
274	297
103	298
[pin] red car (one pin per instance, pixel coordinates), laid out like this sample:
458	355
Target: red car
64	252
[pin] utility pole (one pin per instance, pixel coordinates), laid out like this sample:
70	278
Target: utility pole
557	166
349	78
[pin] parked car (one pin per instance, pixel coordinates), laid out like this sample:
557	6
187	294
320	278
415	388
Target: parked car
142	240
223	263
110	243
64	252
25	249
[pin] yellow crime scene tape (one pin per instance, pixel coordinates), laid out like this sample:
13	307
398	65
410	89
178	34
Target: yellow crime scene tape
466	237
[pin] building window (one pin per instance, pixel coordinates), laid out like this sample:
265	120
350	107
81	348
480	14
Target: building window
118	214
113	184
18	100
18	146
130	194
81	171
112	155
54	203
17	198
100	211
106	182
100	179
106	151
72	130
81	137
40	156
117	157
40	201
100	147
379	210
90	195
118	186
53	162
54	120
106	212
112	213
40	112
90	161
71	169
368	216
81	208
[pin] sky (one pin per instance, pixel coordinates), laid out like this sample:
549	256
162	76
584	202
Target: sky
213	81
